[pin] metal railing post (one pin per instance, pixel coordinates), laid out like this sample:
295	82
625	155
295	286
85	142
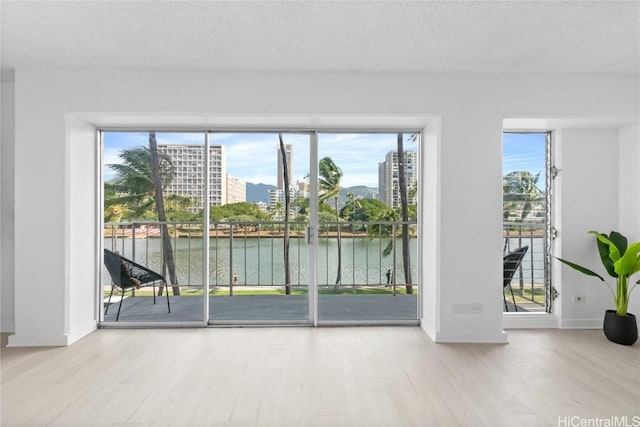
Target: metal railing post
231	260
393	244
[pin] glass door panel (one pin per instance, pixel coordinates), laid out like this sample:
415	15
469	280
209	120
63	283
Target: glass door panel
287	243
259	259
366	251
140	242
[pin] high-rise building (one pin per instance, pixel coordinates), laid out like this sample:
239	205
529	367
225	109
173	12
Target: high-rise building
381	192
388	178
236	190
189	178
288	150
277	203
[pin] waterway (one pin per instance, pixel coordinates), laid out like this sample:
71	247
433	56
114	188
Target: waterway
260	261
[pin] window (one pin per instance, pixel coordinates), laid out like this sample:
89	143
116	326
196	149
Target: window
226	225
526	220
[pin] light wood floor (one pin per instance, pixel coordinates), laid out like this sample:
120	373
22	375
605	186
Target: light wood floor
367	376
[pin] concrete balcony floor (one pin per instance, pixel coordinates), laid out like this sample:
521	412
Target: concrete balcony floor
268	308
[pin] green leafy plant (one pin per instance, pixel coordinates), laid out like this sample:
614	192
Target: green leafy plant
621	261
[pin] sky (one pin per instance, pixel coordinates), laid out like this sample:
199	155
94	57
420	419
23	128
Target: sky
525	152
252	157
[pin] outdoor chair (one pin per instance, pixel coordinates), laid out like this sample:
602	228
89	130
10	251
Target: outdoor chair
128	275
511	263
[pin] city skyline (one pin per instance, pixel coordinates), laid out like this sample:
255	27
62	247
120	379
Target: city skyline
252	157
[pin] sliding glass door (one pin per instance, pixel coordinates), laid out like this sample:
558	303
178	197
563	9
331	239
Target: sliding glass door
152	240
367	230
259	257
261	227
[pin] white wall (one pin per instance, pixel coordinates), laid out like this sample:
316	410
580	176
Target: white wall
467	147
81	144
588	200
630	195
599	171
629	182
6	208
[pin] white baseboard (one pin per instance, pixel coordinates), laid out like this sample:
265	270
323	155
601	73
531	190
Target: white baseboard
581	323
76	336
471	337
24	340
37	340
529	321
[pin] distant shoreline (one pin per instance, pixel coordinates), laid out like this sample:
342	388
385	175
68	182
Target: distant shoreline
225	234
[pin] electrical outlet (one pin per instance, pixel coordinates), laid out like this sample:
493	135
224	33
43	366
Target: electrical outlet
475	308
471	308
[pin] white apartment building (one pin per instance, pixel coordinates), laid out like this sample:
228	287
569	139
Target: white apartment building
189	179
277	202
236	190
388	177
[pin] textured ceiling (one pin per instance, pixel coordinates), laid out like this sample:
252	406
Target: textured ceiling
540	36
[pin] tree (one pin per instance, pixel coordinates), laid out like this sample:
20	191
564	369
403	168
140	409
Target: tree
131	193
404	214
177	207
136	192
301	205
287	203
233	210
329	184
382	227
519	191
167	250
113	212
364	210
275	212
355	205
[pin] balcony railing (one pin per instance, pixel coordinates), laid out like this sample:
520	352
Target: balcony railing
252	253
530	281
248	257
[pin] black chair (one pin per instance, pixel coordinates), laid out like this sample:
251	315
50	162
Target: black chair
127	275
511	263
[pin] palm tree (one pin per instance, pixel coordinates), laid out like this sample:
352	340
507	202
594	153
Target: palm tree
133	188
519	190
329	184
285	176
355	204
162	216
404	215
134	191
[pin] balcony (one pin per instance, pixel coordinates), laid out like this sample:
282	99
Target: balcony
247	276
530	280
247	280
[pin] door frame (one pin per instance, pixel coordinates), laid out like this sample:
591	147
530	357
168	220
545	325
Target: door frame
383	124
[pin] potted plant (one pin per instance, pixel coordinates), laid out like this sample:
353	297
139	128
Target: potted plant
621	261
